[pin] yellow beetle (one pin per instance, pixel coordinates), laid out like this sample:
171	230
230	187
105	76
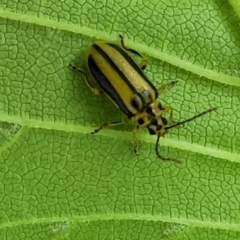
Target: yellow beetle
118	76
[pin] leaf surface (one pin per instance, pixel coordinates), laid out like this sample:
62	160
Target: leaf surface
58	181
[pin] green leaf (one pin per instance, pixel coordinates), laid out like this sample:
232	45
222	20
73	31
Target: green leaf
58	181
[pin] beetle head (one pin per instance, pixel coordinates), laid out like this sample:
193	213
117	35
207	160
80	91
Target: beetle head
159	127
150	115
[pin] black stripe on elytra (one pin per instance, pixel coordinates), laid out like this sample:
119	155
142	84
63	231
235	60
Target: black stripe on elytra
106	86
122	76
134	65
114	66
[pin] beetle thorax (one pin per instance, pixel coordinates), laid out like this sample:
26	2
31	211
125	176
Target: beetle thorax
150	114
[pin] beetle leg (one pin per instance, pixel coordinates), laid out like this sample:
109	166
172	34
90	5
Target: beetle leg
110	124
135	140
171	119
85	75
143	63
127	48
167	109
163	88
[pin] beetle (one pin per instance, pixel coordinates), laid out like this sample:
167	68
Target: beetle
118	76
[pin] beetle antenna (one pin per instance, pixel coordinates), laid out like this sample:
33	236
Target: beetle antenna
190	119
160	156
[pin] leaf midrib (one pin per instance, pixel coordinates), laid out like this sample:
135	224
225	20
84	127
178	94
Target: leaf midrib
130	216
68	127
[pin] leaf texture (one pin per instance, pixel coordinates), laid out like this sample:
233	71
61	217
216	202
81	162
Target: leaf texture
58	181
